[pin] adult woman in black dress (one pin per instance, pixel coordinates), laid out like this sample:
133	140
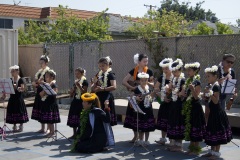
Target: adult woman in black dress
226	71
39	78
131	81
104	84
16	109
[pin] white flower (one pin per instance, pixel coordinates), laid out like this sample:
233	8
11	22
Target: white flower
167	63
182	75
108	59
15	67
41	72
210	93
176	86
143	75
180	64
44	98
211	69
78	91
45	56
135	58
52	71
192	65
104	81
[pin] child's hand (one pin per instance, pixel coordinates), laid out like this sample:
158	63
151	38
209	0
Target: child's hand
15	86
41	81
106	103
77	84
166	100
139	98
221	80
19	89
42	93
98	89
3	96
191	87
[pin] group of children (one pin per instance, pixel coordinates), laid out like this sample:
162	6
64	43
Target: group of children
45	108
180	116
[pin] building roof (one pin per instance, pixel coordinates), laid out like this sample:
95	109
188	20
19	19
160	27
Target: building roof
39	13
236	30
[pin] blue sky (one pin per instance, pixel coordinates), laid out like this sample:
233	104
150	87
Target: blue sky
226	10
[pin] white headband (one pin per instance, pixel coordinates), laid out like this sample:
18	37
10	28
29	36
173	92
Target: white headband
192	65
45	56
180	64
15	67
143	75
52	71
211	69
168	60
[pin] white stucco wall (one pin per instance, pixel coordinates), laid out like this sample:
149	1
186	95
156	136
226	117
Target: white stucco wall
17	22
8	51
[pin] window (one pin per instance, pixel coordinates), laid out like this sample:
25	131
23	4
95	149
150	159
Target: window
6	23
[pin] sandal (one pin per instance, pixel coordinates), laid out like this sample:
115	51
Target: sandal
146	143
47	131
193	154
162	141
40	131
14	128
133	140
215	155
207	155
20	128
72	137
176	149
49	135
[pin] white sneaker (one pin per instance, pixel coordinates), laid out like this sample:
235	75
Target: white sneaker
139	143
146	143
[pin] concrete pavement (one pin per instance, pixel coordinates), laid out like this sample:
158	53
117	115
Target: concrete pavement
31	145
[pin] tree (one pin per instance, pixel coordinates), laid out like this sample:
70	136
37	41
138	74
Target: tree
155	24
190	13
66	28
223	29
238	22
202	29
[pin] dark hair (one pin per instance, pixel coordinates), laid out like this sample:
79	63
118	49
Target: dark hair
141	56
105	60
44	58
175	64
95	103
166	61
196	69
81	70
51	73
214	73
226	56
